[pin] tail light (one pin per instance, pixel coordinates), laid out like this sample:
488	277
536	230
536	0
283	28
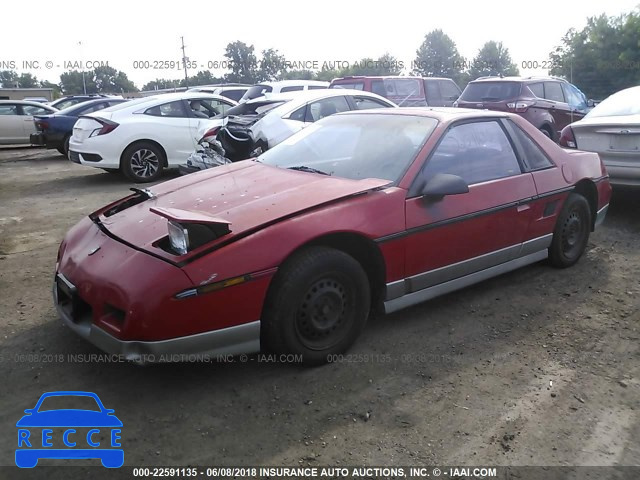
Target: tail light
567	138
107	127
42	124
519	107
212	132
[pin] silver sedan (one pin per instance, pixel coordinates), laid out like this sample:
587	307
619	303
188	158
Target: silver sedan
16	120
611	129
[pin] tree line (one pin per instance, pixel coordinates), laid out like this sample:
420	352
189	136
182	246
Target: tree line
600	59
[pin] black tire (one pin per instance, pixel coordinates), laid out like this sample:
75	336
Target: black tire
64	149
571	234
142	162
547	132
317	306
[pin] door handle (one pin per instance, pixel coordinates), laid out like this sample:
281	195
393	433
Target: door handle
523	207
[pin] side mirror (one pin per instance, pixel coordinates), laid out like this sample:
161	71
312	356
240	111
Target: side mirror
444	184
591	103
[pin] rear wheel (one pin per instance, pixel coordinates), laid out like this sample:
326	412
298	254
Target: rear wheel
547	132
142	162
317	306
571	234
64	149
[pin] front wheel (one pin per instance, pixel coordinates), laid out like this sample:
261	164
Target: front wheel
142	162
571	233
317	306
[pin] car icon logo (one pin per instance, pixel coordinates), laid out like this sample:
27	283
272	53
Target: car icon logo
69	433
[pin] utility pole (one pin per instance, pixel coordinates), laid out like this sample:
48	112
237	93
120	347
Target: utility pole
185	59
84	83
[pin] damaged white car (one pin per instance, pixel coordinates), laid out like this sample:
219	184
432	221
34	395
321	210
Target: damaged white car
253	127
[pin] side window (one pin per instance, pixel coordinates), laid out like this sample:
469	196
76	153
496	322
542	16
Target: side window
233	94
364	103
299	114
537	89
477	152
433	92
319	87
33	110
171	109
294	88
326	107
92	108
575	98
377	86
553	91
212	107
449	90
533	156
8	109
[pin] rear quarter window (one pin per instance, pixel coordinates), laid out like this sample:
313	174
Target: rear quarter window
490	91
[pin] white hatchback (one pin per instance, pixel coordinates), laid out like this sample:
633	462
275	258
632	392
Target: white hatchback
142	137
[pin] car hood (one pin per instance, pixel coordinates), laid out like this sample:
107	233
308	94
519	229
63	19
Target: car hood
69	418
247	194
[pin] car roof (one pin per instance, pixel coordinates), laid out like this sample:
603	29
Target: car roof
387	77
26	102
442	114
286	83
306	95
518	79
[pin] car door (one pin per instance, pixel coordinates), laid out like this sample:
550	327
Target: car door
559	108
449	92
457	235
27	112
172	126
577	102
11	129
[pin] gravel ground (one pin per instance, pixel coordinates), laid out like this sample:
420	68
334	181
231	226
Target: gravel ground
536	367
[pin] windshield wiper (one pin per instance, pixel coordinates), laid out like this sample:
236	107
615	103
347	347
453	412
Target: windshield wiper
304	168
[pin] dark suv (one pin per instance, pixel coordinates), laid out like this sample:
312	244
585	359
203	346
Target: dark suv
405	91
549	103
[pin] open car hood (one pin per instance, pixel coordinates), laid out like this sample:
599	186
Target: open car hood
247	195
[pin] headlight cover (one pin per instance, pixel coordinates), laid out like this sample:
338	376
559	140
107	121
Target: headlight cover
178	237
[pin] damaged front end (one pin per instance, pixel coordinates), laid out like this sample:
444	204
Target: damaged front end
208	155
237	139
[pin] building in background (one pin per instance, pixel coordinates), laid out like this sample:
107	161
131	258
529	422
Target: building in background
33	94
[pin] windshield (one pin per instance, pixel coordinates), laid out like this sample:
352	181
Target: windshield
490	91
256	91
69	402
625	102
355	146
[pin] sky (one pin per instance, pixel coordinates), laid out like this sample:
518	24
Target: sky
135	36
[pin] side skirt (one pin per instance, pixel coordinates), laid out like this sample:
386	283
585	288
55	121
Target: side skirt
462	282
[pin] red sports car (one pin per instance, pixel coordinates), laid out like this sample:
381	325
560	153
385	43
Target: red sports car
291	251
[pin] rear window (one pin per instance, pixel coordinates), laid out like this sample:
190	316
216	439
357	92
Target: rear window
294	88
490	91
257	91
253	108
354	85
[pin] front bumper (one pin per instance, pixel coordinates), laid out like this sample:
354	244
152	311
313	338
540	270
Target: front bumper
199	347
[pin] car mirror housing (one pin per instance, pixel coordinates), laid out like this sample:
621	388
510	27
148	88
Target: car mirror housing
444	184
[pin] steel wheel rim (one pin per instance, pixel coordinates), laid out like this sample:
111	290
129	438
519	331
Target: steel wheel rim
572	234
322	315
144	163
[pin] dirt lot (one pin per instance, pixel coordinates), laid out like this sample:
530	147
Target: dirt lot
537	367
